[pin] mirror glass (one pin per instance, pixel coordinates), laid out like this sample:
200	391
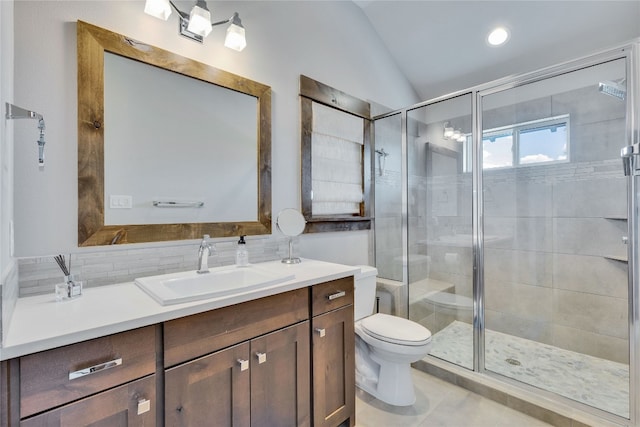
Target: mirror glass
169	162
168	148
291	222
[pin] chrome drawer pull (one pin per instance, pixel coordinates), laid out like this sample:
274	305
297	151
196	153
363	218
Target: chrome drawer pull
244	364
93	369
262	357
321	332
338	294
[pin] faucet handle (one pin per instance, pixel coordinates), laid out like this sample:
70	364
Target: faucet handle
206	244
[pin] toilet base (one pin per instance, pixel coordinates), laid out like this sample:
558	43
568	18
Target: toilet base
386	381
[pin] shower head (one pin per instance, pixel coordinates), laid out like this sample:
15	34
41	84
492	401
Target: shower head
617	90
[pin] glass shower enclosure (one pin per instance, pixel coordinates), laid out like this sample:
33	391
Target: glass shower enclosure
507	225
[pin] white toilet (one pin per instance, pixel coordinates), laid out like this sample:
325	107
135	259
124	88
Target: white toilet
385	346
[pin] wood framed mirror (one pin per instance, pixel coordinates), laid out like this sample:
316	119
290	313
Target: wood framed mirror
94	45
335	135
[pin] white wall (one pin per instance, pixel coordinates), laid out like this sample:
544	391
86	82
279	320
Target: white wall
329	41
8	277
6	140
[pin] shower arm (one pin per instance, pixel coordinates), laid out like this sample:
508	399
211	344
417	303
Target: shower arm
15	112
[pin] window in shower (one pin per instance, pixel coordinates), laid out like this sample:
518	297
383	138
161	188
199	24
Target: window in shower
541	141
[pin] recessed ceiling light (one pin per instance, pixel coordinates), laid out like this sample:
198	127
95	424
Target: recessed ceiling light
498	36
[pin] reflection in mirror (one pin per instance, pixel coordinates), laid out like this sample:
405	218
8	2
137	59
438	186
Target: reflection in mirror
291	223
248	163
177	155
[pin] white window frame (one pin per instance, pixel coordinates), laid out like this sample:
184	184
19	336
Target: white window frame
516	130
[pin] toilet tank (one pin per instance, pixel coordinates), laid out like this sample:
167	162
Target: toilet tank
365	291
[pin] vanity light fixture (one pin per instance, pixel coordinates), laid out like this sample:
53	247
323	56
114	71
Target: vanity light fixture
453	134
448	131
197	24
160	9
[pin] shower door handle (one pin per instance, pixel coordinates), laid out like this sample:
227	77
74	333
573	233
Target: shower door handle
627	153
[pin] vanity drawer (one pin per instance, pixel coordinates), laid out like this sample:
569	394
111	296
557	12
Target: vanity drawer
331	295
61	375
133	404
200	334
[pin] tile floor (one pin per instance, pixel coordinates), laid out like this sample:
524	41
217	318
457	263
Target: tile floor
439	403
597	382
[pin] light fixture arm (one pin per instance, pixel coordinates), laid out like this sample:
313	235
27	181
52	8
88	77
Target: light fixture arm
235	19
182	14
15	112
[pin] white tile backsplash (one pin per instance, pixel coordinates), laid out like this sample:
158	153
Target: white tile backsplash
98	268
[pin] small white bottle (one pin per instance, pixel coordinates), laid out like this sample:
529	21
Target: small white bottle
242	255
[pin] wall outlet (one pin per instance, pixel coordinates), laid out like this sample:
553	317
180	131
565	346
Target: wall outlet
120	202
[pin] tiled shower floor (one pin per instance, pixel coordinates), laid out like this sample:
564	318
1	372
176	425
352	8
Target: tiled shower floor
596	382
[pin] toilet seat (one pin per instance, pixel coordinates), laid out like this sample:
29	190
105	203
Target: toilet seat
396	330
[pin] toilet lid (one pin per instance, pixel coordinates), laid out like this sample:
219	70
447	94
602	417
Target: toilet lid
396	330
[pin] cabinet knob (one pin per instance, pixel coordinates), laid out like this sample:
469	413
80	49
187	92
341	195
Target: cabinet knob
321	332
262	357
144	405
244	364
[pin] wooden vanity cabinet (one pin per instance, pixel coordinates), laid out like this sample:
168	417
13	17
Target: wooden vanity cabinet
333	343
283	360
263	379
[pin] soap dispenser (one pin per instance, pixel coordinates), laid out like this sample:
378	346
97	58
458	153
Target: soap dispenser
242	255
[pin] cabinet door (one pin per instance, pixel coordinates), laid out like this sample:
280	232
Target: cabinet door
132	404
211	390
333	368
280	378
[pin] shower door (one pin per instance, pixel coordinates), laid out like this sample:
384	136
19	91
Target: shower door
389	213
554	211
439	237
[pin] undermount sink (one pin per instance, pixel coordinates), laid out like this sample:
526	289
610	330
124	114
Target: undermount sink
176	288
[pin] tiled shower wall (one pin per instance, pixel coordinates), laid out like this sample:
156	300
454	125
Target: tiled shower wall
97	268
560	275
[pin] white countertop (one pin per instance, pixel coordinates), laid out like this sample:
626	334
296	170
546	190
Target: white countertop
40	323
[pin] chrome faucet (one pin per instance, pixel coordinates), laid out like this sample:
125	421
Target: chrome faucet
206	249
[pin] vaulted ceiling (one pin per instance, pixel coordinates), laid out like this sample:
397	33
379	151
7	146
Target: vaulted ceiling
440	45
